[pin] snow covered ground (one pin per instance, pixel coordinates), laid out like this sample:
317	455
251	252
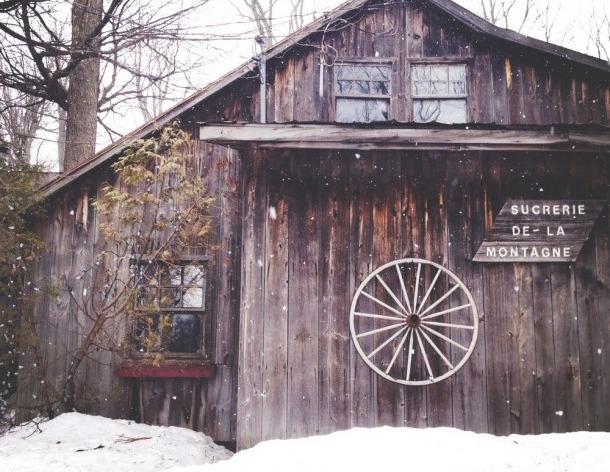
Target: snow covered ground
76	442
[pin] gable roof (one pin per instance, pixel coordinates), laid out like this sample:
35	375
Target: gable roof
461	14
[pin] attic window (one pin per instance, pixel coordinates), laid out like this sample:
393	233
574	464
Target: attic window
439	93
362	92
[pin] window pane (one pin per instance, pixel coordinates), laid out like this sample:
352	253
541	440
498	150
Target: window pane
170	298
380	88
438	80
152	333
345	86
168	333
355	79
186	333
362	87
349	110
171	274
440	111
193	297
421	88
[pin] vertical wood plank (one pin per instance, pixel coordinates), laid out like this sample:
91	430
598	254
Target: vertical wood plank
362	393
499	89
249	406
415	32
413	241
335	297
390	405
284	91
303	295
435	249
465	228
496	316
276	344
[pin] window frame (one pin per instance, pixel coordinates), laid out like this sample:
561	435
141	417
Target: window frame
204	351
437	61
364	62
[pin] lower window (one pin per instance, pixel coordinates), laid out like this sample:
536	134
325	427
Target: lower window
170	308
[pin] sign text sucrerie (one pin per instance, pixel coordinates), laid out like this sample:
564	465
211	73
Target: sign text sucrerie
539	231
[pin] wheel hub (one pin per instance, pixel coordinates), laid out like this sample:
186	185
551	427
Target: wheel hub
413	321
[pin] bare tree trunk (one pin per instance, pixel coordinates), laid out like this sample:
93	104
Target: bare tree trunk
81	123
61	138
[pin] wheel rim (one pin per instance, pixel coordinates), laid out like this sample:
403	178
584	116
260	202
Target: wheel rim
414	322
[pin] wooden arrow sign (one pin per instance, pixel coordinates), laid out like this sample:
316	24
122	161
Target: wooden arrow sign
539	231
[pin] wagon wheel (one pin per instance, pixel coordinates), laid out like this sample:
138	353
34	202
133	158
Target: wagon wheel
413	322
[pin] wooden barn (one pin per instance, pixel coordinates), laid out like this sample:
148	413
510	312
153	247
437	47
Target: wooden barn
411	229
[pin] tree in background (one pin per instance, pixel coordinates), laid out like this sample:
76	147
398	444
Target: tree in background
80	57
265	15
22	117
18	248
588	33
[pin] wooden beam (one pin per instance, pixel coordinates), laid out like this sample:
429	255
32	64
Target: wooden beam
329	136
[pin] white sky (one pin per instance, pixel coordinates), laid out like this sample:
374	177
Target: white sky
76	442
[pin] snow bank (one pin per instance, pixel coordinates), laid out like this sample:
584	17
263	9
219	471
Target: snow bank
76	442
429	450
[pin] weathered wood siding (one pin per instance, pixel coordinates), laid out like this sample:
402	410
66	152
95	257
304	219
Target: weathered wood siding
508	84
318	222
74	241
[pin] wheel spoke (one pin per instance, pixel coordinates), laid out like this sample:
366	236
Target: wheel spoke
445	338
380	330
444	312
423	301
416	288
438	351
376	316
410	354
387	289
447	325
453	289
404	287
385	305
387	341
423	351
398	349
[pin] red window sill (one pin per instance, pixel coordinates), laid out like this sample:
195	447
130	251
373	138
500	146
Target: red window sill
165	371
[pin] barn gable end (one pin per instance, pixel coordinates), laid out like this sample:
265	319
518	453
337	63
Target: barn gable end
396	129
